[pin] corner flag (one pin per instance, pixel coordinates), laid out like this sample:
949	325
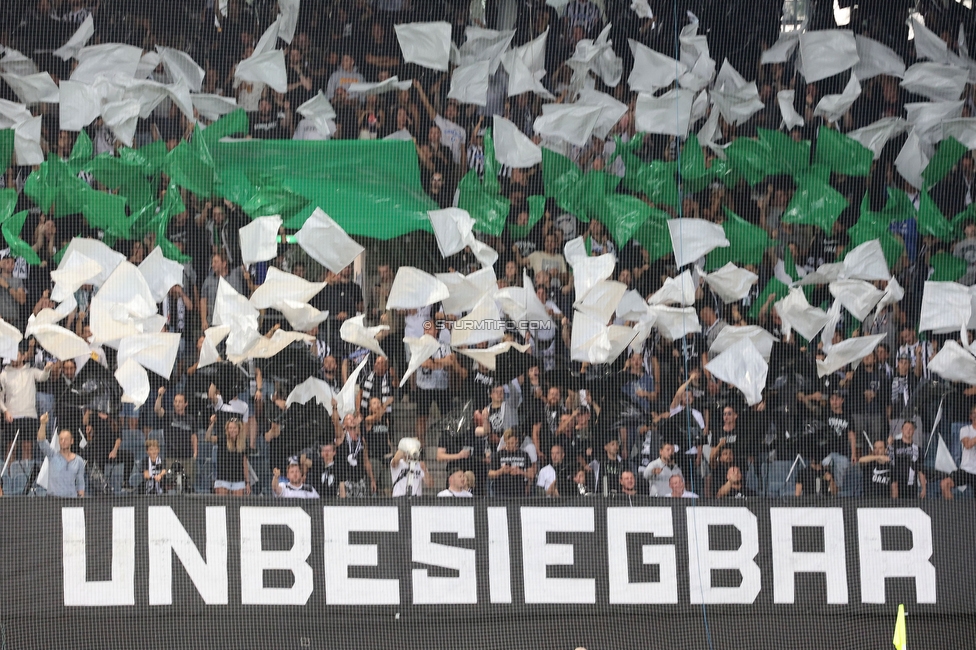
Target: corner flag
900	640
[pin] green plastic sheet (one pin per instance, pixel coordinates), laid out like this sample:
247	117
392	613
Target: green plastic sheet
949	152
370	188
56	188
775	288
6	148
747	243
791	155
537	209
842	154
930	219
946	267
10	227
654	235
815	204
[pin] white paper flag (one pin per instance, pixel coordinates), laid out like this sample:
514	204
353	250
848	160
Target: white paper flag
355	332
268	68
833	107
874	136
34	89
161	274
259	240
27	142
466	291
652	70
180	65
156	352
876	58
928	45
288	19
936	81
846	352
213	107
81	104
420	349
669	114
569	122
327	243
482	325
791	118
675	291
797	314
469	83
912	160
946	307
962	129
512	147
744	367
943	459
731	283
866	262
392	84
601	301
122	118
279	285
312	388
954	363
782	50
426	44
107	59
413	289
729	336
488	357
211	339
928	118
59	342
675	322
857	296
78	40
95	250
134	382
484	45
320	112
827	52
694	238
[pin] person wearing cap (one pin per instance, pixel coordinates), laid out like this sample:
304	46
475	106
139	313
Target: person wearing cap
18	393
294	487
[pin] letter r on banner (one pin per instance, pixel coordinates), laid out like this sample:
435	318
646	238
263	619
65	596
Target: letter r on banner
878	564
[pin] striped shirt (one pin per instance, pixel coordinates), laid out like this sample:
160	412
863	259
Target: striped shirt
583	13
369	386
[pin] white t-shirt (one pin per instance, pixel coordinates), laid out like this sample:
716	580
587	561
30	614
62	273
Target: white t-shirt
547	476
968	461
414	479
660	482
448	493
306	130
452	136
289	491
686	495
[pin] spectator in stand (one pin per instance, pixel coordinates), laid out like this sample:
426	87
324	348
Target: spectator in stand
678	491
658	473
324	473
294	487
18	388
180	433
966	474
457	486
907	474
233	471
345	76
876	468
66	476
511	470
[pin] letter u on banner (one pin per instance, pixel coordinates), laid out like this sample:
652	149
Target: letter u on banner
121	589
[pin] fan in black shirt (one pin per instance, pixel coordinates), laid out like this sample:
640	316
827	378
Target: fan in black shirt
324	474
511	468
907	477
876	469
734	487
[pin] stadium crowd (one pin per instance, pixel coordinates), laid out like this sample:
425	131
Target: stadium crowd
655	421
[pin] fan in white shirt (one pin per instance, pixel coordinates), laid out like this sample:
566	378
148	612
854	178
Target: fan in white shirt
457	486
295	488
678	491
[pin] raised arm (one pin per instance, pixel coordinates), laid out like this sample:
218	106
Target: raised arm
431	113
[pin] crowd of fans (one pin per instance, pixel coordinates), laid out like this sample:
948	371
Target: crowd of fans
654	423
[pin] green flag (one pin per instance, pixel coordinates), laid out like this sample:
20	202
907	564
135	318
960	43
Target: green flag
623	215
946	267
867	229
792	155
815	204
654	235
747	243
106	212
55	188
930	219
842	154
127	176
6	149
773	288
753	159
488	209
949	152
692	166
537	207
10	226
190	165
